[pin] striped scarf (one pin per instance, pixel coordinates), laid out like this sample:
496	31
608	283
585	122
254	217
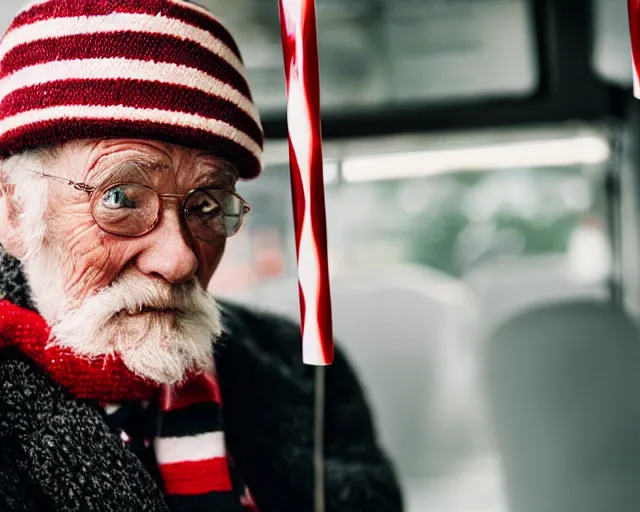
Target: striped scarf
179	438
177	433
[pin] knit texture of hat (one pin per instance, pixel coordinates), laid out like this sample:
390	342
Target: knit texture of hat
155	69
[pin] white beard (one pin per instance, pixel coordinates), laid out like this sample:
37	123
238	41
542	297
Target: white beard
162	347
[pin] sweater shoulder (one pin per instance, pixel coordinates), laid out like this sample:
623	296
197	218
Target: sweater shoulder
263	331
22	386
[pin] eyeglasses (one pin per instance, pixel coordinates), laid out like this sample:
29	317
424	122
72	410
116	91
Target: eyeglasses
133	210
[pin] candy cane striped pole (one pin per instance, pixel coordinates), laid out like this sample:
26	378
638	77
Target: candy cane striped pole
300	50
634	29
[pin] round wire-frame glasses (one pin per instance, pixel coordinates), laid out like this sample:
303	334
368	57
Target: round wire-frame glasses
209	213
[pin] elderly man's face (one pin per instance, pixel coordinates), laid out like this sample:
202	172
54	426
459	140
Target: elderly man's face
141	297
168	252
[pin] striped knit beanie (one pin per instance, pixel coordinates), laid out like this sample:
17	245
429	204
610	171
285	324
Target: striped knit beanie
155	69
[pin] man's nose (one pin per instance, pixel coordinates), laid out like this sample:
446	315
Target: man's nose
168	252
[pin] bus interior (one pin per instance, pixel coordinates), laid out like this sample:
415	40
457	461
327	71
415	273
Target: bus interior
482	181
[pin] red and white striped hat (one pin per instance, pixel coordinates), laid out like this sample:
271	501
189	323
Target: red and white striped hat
160	69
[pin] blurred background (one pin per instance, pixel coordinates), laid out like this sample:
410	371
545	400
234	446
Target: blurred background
481	189
473	153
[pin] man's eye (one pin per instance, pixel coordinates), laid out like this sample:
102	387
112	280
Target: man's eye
203	206
116	198
207	207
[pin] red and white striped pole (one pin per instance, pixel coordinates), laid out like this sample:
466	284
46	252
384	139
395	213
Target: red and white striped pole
301	66
634	29
302	76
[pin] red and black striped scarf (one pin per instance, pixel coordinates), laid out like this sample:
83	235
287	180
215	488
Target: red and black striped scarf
177	433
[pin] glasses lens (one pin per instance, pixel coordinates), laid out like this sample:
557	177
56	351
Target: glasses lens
212	214
127	209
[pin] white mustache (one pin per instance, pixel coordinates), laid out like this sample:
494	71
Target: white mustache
135	294
170	349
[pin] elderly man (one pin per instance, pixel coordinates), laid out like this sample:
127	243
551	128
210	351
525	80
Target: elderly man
124	126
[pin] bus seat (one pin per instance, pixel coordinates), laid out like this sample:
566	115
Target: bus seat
563	389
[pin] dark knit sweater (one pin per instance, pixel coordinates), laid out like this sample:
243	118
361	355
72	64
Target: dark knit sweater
57	453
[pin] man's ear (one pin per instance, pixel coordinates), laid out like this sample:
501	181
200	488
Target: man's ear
11	237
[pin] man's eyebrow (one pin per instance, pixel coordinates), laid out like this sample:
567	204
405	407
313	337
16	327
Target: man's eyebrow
218	174
223	175
137	170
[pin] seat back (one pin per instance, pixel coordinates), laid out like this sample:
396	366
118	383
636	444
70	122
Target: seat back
563	385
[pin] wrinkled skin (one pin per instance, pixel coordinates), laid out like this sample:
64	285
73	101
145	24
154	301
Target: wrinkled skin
92	258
